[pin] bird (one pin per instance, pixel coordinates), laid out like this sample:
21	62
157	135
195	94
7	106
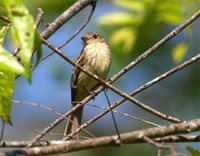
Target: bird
95	58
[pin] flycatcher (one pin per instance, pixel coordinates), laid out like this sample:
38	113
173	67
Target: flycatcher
96	58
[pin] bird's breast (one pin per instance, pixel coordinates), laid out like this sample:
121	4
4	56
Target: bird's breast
98	57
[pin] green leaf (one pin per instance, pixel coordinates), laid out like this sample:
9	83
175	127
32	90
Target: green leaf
193	151
7	79
8	62
3	30
23	30
38	46
179	52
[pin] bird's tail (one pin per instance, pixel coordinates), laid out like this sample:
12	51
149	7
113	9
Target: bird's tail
74	122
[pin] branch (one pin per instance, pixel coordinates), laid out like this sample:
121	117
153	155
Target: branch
4	18
46	108
126	138
74	35
39	16
127	115
65	16
166	139
62	19
160	146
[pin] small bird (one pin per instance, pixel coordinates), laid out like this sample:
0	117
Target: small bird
95	58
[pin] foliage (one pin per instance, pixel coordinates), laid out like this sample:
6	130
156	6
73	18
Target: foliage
193	151
24	33
145	15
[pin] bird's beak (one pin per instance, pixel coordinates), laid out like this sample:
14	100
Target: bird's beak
84	38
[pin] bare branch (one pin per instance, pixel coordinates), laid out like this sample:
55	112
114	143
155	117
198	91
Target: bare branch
127	115
2	130
81	28
74	35
38	105
4	18
126	138
49	109
179	138
39	16
166	139
65	16
169	36
160	146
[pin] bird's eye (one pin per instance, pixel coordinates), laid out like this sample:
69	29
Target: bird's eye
94	36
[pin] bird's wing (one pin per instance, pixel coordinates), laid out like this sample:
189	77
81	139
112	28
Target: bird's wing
75	74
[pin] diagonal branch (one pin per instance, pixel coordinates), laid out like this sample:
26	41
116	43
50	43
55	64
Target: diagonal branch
127	115
49	109
65	16
160	145
62	19
72	37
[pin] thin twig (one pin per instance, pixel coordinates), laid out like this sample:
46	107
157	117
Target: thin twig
175	69
38	105
114	120
127	115
56	134
159	150
160	146
72	37
4	18
65	16
39	16
49	109
81	28
2	130
179	138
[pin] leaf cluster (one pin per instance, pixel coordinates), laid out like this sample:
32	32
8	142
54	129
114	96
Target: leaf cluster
25	35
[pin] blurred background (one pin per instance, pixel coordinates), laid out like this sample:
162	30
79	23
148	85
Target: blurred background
130	28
